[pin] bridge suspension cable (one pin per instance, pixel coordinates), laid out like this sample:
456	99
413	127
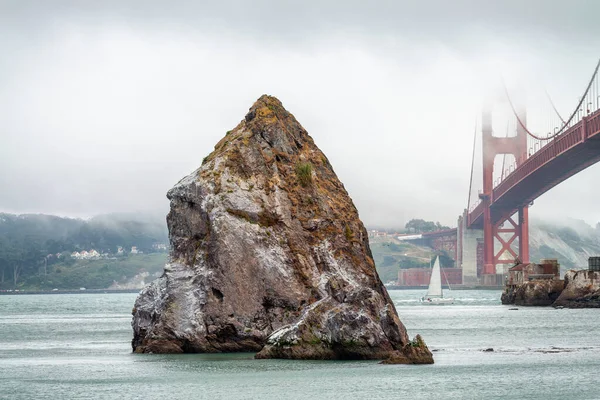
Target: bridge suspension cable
565	124
472	164
504	157
554	108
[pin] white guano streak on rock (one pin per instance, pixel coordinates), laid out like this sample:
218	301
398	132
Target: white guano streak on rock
150	302
291	330
273	258
325	255
189	298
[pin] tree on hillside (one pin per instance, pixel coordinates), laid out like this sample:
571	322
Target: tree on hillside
421	226
20	257
4	260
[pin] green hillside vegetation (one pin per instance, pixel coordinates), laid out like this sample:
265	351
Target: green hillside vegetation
30	243
391	255
96	274
421	226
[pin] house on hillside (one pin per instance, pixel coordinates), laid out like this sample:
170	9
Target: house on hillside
86	255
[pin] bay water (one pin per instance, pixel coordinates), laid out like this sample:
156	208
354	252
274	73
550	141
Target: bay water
77	346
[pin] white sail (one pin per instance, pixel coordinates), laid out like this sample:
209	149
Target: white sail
435	282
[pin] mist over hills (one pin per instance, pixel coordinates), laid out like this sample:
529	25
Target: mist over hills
103	232
27	240
571	241
32	245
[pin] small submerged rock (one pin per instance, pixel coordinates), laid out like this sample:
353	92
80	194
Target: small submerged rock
268	254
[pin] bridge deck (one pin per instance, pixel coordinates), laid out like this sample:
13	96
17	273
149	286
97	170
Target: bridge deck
567	154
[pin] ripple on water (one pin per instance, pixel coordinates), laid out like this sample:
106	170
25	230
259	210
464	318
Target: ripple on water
78	346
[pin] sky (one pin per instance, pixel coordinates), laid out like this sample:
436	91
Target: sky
105	105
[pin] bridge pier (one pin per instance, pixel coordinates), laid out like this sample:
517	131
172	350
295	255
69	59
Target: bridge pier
524	234
470	243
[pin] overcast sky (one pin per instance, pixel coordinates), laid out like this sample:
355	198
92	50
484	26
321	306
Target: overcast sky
105	105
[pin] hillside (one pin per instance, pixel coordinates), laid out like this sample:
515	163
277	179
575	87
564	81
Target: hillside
127	272
391	254
570	241
27	240
35	249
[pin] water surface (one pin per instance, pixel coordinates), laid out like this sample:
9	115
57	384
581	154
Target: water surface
78	346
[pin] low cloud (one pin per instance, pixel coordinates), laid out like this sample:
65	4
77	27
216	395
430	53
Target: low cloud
106	106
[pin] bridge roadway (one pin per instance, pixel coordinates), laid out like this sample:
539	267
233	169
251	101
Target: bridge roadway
564	156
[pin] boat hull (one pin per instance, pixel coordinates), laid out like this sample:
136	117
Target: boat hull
437	300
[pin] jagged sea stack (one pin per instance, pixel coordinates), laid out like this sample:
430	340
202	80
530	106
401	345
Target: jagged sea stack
268	254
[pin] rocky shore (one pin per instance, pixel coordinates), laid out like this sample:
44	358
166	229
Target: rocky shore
582	290
269	255
579	289
534	293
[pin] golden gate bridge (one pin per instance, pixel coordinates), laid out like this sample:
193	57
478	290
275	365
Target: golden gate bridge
493	231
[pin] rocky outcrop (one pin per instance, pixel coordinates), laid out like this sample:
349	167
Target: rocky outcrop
541	292
538	292
579	289
508	295
582	290
269	254
415	352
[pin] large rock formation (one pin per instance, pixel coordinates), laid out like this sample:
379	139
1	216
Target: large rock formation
268	250
582	290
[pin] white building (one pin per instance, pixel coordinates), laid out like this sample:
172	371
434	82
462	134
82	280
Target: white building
86	255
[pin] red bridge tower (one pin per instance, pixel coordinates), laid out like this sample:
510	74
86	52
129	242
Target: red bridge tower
506	230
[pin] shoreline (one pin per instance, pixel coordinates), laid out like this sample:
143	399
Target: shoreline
71	291
467	287
110	291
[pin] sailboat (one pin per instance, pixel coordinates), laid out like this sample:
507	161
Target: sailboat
435	294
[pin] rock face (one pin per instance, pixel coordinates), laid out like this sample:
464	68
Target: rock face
508	296
579	289
538	293
269	254
582	290
533	293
